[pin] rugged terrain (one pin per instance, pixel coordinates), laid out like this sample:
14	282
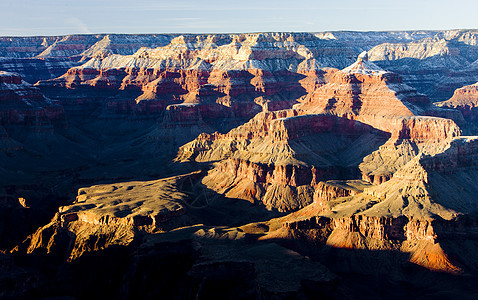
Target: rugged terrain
259	165
465	99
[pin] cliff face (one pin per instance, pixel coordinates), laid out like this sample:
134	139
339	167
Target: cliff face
21	103
85	45
231	70
417	56
281	149
273	68
263	71
365	92
416	211
424	242
41	58
409	208
465	99
434	65
279	157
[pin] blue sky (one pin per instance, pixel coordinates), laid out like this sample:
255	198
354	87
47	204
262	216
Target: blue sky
56	17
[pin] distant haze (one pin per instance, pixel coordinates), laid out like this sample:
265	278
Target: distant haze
59	17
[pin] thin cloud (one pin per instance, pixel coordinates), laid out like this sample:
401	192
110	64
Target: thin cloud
79	25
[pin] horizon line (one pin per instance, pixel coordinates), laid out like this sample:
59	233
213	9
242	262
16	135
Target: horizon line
251	32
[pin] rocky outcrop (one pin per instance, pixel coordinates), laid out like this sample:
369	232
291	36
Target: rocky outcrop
276	68
421	240
42	58
416	134
278	157
434	62
107	215
260	71
417	211
466	96
373	177
252	152
365	92
84	45
465	99
327	191
233	71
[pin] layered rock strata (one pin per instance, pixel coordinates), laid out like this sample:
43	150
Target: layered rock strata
279	157
22	103
226	70
417	211
416	201
41	58
365	92
239	74
465	99
435	65
434	62
362	92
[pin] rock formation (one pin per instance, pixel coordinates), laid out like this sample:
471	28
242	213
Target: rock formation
22	103
107	215
435	65
449	54
416	211
465	99
409	204
365	92
210	70
277	158
40	58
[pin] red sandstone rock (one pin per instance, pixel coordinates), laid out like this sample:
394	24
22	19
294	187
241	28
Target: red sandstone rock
464	99
282	153
22	103
367	93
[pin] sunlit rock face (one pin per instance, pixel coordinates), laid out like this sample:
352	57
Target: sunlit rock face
465	99
272	153
118	212
278	158
434	62
41	58
416	211
261	70
365	92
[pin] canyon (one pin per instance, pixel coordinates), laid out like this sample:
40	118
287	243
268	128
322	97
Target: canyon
254	165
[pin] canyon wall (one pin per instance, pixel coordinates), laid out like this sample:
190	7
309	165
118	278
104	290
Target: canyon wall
279	156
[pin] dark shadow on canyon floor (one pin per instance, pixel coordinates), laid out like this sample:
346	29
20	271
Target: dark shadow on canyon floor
179	265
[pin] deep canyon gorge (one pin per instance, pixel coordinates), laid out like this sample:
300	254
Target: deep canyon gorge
239	166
